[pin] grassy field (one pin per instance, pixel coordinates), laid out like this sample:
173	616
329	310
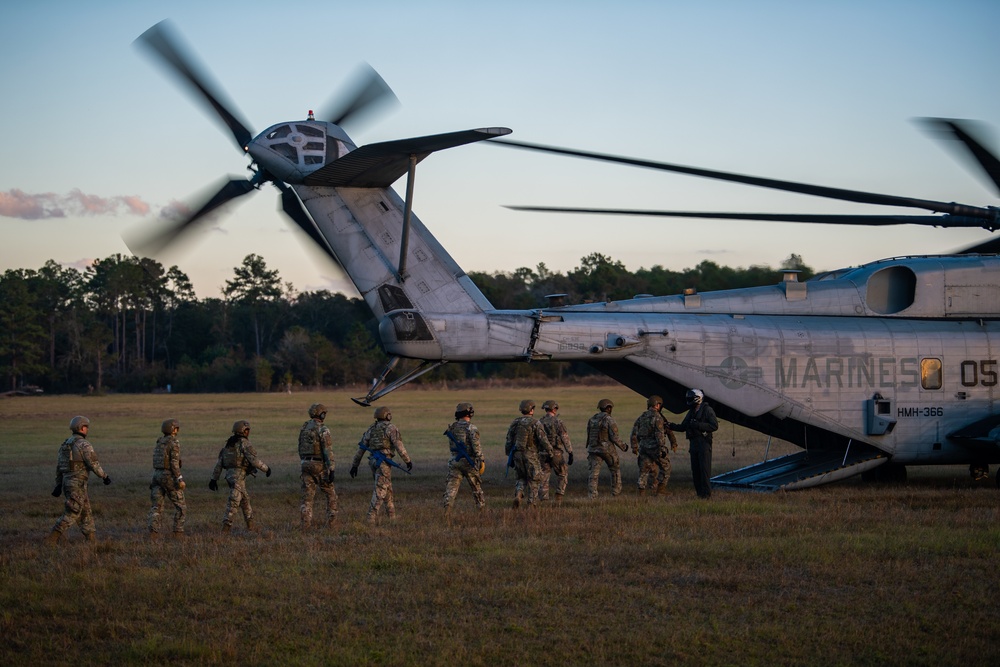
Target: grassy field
847	574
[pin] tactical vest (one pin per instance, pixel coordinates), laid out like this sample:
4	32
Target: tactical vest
160	453
549	424
377	438
645	427
69	459
597	431
460	431
309	440
524	435
232	455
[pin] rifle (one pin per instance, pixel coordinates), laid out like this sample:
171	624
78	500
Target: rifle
380	457
462	451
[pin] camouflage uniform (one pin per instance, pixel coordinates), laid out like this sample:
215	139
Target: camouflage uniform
167	483
382	436
649	440
458	466
603	444
526	439
558	462
77	459
316	454
238	459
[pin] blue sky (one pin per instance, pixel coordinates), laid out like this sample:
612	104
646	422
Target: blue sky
817	92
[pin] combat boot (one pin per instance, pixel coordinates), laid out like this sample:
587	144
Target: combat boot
251	526
52	539
642	491
661	490
90	537
226	529
179	535
154	536
516	503
559	499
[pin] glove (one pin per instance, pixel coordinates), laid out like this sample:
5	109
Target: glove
409	466
329	477
107	480
182	485
214	485
571	458
268	473
56	492
354	471
673	448
482	467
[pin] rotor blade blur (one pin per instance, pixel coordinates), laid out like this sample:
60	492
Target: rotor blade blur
990	247
366	94
773	184
293	208
156	243
963	132
162	40
828	219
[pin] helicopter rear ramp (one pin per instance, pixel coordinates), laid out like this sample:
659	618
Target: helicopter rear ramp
802	469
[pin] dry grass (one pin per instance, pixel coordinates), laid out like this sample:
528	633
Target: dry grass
847	574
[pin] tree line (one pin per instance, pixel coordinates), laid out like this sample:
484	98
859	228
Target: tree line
128	324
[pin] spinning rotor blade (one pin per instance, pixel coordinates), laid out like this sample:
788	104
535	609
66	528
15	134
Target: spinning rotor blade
293	208
366	93
154	244
789	186
830	219
962	131
163	43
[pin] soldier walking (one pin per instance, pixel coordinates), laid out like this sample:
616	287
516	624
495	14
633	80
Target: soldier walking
466	457
77	459
167	483
238	459
382	440
562	453
649	441
698	425
526	439
316	455
603	444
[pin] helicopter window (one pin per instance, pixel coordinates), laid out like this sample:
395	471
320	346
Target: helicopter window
280	133
315	146
930	373
891	290
310	131
286	151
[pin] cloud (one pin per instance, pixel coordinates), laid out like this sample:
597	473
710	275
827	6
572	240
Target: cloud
19	204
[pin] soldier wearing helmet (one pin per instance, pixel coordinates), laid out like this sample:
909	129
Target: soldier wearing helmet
466	457
602	441
238	458
382	440
316	465
526	440
698	425
562	453
76	460
649	441
168	482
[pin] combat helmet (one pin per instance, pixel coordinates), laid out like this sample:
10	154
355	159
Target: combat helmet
605	405
463	409
317	410
653	400
168	426
242	428
550	406
527	405
383	414
694	396
78	422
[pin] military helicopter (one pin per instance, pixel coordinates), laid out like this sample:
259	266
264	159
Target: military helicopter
869	369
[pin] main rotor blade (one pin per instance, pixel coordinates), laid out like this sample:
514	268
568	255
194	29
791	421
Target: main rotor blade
162	40
830	219
293	208
157	242
962	131
788	186
366	93
990	247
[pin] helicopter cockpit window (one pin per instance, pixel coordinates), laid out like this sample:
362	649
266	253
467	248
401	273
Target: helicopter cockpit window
310	131
280	133
930	373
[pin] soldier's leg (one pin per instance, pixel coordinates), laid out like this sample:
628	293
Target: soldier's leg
86	515
332	506
533	482
308	493
180	506
451	485
390	501
614	465
378	495
594	462
645	468
232	504
477	489
666	467
71	508
246	507
521	469
155	509
544	476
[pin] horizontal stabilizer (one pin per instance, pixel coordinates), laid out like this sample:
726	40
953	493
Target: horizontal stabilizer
982	435
382	164
803	469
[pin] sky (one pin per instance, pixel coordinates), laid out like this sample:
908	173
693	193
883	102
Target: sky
100	141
